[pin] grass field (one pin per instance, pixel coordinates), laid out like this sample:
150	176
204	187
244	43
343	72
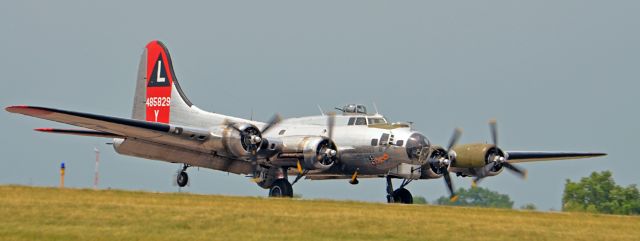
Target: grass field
30	213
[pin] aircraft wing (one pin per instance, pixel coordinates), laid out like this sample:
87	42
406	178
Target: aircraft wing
531	156
117	127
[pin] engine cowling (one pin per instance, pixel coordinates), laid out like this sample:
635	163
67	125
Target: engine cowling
437	163
314	153
476	156
241	139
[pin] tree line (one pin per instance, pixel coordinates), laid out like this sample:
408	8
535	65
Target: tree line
597	193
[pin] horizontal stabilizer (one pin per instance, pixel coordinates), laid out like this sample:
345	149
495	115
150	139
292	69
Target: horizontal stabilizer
113	125
108	126
79	132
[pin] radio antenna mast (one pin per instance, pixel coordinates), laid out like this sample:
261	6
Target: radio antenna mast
321	111
375	107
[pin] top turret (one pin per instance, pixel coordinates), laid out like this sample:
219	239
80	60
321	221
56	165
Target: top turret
353	109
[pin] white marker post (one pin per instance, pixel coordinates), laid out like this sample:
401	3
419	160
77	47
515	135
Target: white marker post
95	179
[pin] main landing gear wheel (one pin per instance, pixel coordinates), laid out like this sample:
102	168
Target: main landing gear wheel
281	188
402	195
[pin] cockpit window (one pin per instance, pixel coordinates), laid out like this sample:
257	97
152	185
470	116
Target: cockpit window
373	121
416	144
351	121
361	121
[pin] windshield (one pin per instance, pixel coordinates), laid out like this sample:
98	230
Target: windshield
373	121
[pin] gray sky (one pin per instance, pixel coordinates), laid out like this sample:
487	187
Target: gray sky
558	75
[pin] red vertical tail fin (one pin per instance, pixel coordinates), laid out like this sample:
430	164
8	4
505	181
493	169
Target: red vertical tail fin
157	88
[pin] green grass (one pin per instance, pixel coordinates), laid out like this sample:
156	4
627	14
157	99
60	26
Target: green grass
30	213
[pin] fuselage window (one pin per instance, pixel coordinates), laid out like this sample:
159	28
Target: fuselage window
361	121
374	142
399	143
281	132
351	121
384	138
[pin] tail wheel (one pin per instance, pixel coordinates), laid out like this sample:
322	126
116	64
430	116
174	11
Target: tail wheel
281	188
183	179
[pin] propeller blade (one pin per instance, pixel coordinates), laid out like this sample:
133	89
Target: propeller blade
354	178
475	181
256	177
331	121
521	172
447	179
482	174
454	139
299	167
228	123
487	168
274	121
494	131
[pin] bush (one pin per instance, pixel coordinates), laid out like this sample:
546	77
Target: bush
419	200
528	206
479	197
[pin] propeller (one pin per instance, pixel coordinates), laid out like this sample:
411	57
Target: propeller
326	153
444	163
331	121
497	158
454	139
273	122
252	139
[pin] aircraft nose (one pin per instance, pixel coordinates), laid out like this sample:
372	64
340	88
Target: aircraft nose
415	144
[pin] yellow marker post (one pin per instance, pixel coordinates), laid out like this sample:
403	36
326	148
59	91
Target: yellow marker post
62	167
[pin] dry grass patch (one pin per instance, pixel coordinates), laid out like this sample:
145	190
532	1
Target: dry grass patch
30	213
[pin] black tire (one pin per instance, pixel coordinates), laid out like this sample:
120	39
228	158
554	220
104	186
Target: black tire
402	195
281	188
182	179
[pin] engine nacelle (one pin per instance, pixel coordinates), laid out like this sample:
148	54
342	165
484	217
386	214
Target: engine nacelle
241	139
314	153
475	155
